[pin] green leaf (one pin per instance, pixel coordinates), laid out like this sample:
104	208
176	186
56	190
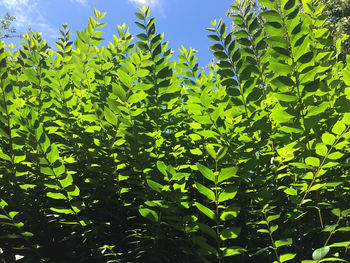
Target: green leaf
205	99
263	230
207	229
321	149
125	78
4	217
56	195
271	16
320	253
223	31
271	218
290	191
46	170
287	257
137	97
230	213
227	173
119	91
233	251
196	151
53	155
139	16
316	110
61	210
96	13
227	194
206	172
313	161
27	234
346	212
25	187
141	73
154	185
162	167
274	228
278	42
205	210
268	3
217	47
59	170
220	55
205	191
214	37
230	233
13	214
335	156
338	128
77	206
316	187
285	97
66	181
19	158
336	212
211	151
5	156
306	58
346	77
300	165
31	75
340	244
110	116
283	242
328	138
73	190
149	214
281	116
333	259
140	25
343	229
346	118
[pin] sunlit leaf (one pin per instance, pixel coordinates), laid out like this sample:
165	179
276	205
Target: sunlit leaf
320	253
205	210
205	191
206	172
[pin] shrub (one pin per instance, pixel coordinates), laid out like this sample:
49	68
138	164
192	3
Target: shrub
118	153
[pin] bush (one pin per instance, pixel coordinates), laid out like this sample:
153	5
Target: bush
119	154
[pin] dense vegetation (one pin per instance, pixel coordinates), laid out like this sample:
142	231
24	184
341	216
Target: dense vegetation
338	22
118	153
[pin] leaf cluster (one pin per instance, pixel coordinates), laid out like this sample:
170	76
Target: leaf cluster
119	153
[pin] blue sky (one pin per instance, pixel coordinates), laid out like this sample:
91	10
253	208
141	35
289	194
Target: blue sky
182	21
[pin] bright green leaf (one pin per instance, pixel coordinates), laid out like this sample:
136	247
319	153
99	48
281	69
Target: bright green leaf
227	173
205	210
205	191
313	161
206	172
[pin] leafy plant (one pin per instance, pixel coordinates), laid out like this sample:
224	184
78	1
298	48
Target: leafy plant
119	153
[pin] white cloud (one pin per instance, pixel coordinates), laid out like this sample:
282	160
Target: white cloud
28	15
156	5
81	2
150	3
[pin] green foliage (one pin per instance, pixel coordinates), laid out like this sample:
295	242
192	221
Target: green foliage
338	14
5	26
120	153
